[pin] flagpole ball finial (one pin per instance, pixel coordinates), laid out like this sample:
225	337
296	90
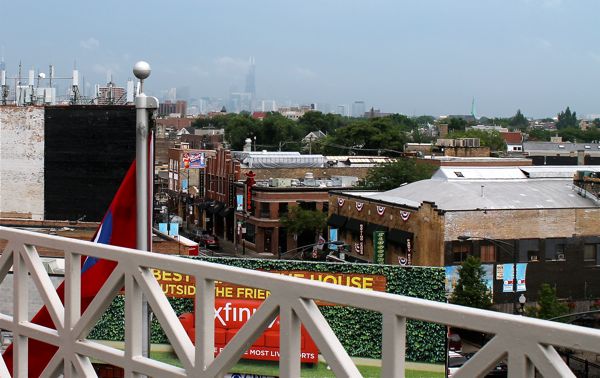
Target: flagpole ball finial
141	70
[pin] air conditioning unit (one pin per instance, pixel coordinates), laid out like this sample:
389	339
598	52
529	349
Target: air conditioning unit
533	258
560	256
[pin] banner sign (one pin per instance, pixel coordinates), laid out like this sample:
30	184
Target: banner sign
197	160
183	286
239	202
235	304
507	284
379	247
333	236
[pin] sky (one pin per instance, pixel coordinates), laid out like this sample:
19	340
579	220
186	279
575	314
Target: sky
411	57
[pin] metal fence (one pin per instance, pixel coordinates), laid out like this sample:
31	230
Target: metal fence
527	344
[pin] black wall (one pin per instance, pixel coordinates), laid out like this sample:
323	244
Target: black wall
87	152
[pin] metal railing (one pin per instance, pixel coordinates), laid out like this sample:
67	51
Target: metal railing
526	344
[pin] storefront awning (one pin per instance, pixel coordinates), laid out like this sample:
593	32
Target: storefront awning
337	221
353	225
398	236
372	227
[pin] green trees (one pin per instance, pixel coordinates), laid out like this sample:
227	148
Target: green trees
392	175
471	289
299	220
491	139
519	121
548	305
567	119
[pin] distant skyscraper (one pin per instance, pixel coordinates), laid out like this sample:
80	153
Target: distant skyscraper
171	94
473	108
250	78
358	109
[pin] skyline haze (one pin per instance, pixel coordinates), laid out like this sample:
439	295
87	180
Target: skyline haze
430	57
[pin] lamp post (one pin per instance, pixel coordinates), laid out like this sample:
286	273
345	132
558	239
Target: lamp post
514	258
522	301
336	242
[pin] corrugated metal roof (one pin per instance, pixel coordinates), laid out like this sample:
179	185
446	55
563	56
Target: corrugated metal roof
491	194
562	146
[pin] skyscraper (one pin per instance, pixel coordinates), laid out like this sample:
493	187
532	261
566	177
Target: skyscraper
251	85
358	109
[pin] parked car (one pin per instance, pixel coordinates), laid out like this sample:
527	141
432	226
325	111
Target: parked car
456	360
208	241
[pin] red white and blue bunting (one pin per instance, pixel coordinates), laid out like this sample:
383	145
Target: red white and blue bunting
380	210
341	202
405	215
359	206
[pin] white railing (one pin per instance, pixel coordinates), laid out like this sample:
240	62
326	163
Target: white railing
524	342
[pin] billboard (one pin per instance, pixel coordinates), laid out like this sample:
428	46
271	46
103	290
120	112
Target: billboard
234	304
197	160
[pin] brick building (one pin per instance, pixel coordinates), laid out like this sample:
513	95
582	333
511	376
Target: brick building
530	214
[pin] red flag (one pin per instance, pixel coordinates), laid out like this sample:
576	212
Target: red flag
118	228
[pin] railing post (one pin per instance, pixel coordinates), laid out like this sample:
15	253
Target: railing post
393	347
289	342
21	299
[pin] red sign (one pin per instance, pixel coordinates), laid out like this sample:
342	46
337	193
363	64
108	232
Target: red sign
232	314
248	187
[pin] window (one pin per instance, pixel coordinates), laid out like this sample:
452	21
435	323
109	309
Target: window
555	250
590	253
560	252
265	211
250	235
532	256
325	207
460	251
488	253
283	208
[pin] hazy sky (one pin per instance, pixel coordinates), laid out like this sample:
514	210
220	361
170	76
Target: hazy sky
413	57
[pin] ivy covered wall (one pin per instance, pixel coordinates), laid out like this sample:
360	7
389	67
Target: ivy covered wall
358	330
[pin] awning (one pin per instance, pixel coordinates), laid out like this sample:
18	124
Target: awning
216	208
353	225
372	227
398	236
337	221
225	212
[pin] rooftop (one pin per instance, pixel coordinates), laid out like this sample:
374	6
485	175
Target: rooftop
471	188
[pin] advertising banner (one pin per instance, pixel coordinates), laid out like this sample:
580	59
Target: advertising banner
239	203
235	304
379	247
197	160
183	286
333	236
507	286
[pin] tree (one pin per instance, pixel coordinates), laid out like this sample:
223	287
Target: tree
457	124
519	121
299	220
567	119
471	289
548	305
491	139
391	175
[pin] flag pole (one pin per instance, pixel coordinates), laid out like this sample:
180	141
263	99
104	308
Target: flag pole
144	106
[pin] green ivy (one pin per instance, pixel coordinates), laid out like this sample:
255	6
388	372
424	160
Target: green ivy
358	330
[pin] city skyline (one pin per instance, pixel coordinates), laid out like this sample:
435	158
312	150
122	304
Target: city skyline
427	58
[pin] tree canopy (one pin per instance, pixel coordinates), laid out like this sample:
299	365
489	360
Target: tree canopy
491	139
519	121
567	119
548	305
299	220
470	289
391	175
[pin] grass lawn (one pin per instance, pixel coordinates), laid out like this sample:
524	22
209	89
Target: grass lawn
271	368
